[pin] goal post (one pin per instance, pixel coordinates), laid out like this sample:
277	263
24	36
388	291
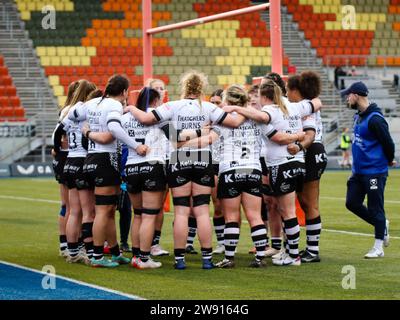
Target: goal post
274	7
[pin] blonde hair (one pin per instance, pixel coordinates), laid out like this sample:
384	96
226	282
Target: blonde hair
235	95
150	82
193	83
273	92
71	90
82	92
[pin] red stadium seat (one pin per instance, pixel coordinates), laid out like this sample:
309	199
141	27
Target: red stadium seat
4	102
15	102
11	91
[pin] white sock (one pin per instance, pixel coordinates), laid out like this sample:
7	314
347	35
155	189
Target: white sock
378	244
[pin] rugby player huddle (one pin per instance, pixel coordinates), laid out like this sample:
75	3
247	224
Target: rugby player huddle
256	150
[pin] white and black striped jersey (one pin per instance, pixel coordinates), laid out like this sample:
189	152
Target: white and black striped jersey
74	134
189	114
291	123
151	136
98	113
240	147
314	121
216	151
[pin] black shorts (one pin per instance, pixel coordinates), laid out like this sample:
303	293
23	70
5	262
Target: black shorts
264	166
233	183
58	166
145	176
287	178
191	166
316	161
101	170
73	172
216	169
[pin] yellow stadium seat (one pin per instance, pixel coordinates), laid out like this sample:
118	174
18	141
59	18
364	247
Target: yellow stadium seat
58	90
318	9
237	43
41	51
257	61
61	51
25	15
227	43
245	70
371	26
246	42
210	42
252	51
81	51
196	33
231	34
51	51
45	61
31	6
229	61
214	33
22	6
220	61
186	33
218	24
85	61
61	100
91	51
239	61
55	61
69	6
240	79
236	70
234	25
234	51
65	61
71	51
76	61
54	80
222	79
59	6
201	34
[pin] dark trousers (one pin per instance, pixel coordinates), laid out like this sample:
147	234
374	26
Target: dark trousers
125	215
372	186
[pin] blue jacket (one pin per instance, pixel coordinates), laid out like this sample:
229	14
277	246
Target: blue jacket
373	147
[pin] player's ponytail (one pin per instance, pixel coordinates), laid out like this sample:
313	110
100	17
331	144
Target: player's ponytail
235	95
273	92
146	98
193	83
115	87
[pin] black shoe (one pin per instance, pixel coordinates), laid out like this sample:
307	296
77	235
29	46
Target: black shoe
307	256
258	264
124	247
190	249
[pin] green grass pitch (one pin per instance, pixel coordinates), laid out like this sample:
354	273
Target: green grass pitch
29	237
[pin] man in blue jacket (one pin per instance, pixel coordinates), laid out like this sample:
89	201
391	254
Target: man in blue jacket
373	152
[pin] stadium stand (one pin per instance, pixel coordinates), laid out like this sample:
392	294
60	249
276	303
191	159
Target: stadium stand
10	104
375	37
106	39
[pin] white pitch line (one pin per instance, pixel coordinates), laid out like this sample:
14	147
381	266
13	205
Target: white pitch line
326	230
74	281
344	199
29	199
